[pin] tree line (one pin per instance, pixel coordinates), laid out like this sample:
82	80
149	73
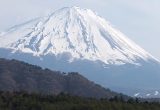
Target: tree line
33	101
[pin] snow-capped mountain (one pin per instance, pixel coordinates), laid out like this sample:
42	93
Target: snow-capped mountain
79	32
75	39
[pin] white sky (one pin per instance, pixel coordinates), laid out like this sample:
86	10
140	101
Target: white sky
138	19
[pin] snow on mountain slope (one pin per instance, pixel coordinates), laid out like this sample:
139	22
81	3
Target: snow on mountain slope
151	94
80	32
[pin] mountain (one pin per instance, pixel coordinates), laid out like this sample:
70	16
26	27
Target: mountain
78	32
75	39
34	79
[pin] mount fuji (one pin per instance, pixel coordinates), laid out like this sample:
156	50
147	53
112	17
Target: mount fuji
75	39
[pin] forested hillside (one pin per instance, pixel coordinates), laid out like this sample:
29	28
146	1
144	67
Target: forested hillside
20	76
24	101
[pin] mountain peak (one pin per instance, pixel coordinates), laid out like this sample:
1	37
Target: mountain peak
81	33
75	7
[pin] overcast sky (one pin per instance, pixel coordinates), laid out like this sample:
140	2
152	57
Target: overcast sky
138	19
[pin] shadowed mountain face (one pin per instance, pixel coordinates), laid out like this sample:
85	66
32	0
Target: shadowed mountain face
128	79
20	76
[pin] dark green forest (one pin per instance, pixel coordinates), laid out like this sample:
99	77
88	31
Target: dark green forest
26	101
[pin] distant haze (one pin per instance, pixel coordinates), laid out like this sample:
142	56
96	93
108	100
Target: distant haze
138	19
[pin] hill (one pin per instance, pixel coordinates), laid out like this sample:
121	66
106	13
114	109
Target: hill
20	76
